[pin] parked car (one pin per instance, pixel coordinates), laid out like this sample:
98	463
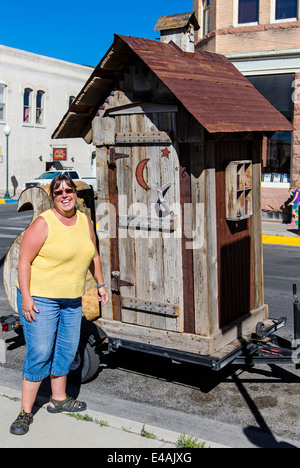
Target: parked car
46	177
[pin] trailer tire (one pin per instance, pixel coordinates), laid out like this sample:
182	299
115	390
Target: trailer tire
86	363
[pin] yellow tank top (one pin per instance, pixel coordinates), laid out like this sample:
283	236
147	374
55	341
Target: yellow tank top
59	269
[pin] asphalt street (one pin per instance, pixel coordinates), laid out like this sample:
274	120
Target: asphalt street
281	270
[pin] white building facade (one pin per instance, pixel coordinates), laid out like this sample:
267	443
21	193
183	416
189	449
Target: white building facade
35	93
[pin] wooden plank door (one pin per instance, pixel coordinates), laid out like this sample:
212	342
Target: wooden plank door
147	285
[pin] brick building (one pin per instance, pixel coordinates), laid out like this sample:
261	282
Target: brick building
262	39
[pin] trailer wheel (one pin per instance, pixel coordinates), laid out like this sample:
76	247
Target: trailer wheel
85	364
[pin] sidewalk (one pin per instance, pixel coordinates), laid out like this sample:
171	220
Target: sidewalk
103	425
88	429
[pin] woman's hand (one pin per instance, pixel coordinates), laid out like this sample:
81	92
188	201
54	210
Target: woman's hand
29	309
102	295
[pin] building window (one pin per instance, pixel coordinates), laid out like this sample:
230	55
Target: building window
248	11
277	154
2	102
286	9
277	160
27	105
40	107
205	17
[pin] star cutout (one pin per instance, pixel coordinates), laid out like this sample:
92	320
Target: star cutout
165	153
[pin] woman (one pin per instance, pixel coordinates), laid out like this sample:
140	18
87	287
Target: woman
295	205
56	252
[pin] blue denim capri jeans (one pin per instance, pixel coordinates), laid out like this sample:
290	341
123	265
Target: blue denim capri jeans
52	341
295	205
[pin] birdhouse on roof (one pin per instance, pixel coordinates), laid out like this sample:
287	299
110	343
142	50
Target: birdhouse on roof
178	141
180	29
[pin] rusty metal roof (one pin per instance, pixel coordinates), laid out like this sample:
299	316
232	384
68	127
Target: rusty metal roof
219	97
176	21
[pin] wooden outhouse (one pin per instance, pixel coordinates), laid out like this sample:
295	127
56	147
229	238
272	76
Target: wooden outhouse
178	136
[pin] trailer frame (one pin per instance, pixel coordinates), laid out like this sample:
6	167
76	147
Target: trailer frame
264	346
266	349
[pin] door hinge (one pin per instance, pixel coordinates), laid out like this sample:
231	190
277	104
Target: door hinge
117	282
113	156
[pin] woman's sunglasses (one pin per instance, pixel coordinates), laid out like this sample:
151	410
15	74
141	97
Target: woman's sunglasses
57	193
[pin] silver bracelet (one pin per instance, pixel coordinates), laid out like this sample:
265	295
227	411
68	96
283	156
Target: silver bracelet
101	286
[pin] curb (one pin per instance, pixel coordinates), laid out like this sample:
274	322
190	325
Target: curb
11	200
283	240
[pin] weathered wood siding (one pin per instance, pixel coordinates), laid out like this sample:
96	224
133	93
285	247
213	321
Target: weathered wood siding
235	242
150	259
199	277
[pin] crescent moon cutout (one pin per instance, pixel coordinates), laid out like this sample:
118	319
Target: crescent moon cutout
139	173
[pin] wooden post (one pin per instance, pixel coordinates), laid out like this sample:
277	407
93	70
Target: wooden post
257	250
187	254
211	229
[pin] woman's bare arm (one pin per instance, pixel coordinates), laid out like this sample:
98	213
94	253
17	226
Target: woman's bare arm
95	267
33	239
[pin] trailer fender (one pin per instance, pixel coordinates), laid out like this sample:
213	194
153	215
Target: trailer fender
88	357
92	333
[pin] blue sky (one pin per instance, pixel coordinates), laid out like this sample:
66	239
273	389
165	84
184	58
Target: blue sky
78	31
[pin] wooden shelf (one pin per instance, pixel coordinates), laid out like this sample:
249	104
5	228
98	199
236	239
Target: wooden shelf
238	190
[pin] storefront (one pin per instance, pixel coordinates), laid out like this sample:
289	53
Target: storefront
277	154
275	76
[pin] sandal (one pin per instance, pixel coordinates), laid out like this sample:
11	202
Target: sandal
21	425
69	404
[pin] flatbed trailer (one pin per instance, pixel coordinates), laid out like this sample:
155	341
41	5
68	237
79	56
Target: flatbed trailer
264	347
